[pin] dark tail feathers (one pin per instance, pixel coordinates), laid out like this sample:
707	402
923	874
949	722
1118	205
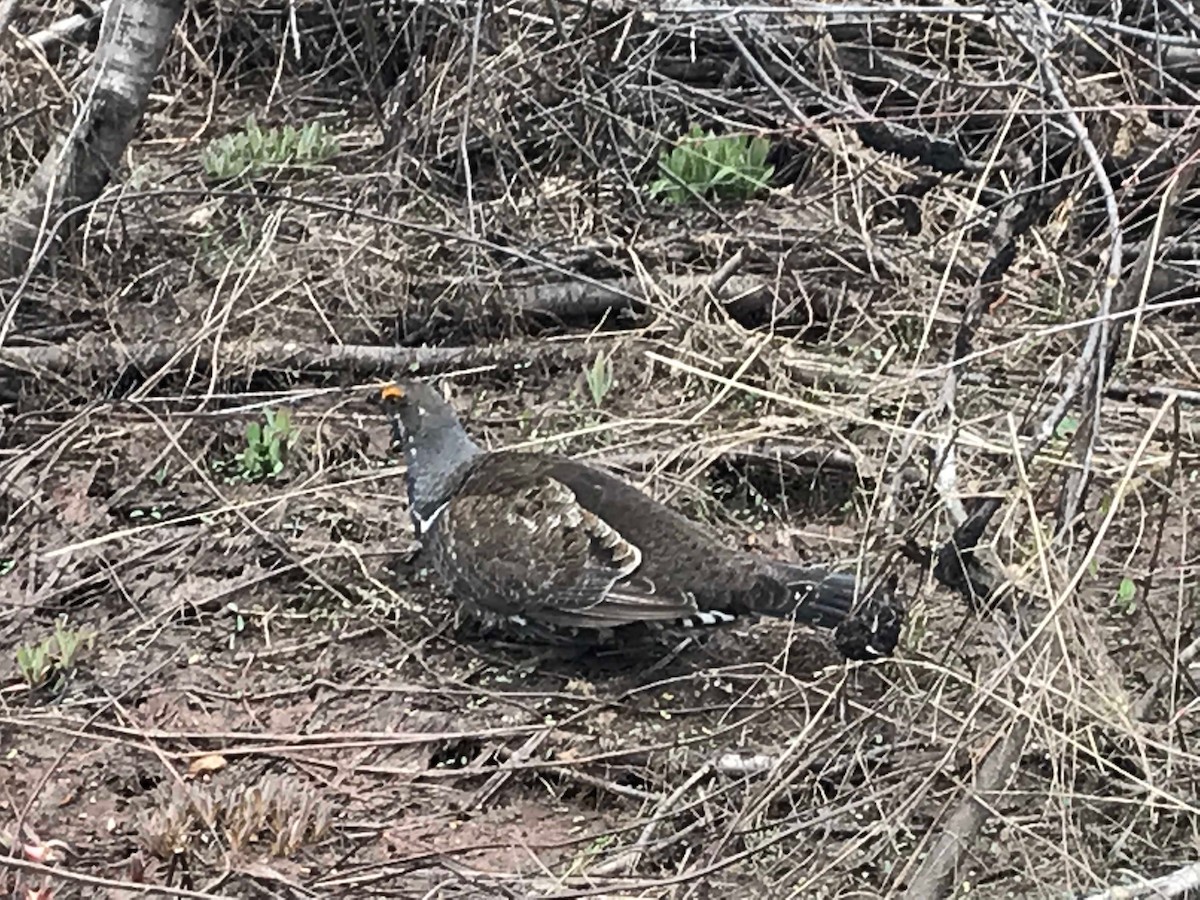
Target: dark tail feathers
813	595
866	622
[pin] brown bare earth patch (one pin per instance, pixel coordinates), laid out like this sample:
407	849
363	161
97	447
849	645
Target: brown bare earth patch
268	696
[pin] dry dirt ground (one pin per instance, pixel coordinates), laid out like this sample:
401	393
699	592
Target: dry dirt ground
270	698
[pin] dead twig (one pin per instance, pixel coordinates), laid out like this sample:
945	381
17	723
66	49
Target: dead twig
127	888
626	861
1089	368
468	304
512	759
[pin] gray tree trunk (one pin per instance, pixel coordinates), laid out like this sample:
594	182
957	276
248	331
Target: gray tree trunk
133	39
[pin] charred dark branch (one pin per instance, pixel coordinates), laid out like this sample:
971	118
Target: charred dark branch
750	300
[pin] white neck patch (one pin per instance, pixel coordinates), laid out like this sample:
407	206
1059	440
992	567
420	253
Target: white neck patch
424	523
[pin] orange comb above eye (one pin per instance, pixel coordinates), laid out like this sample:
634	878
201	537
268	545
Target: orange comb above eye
391	392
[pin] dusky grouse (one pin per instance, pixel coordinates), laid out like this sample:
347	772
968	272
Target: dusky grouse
547	545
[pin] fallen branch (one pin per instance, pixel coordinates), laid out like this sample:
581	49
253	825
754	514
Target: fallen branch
64	29
1151	393
97	355
1172	885
940	868
764	452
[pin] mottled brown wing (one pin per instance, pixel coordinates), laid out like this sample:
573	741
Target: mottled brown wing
676	550
516	541
686	557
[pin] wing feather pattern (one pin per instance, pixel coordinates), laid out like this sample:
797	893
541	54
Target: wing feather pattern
519	542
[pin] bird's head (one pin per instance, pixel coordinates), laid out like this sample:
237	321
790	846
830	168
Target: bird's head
418	412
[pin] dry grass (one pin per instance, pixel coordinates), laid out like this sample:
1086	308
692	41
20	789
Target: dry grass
487	157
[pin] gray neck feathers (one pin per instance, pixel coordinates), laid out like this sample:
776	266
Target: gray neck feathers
436	447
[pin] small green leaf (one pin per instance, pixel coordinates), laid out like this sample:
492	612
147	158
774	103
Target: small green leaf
759	148
1126	593
731	166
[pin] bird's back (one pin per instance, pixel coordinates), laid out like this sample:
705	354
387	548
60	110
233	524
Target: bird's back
678	555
